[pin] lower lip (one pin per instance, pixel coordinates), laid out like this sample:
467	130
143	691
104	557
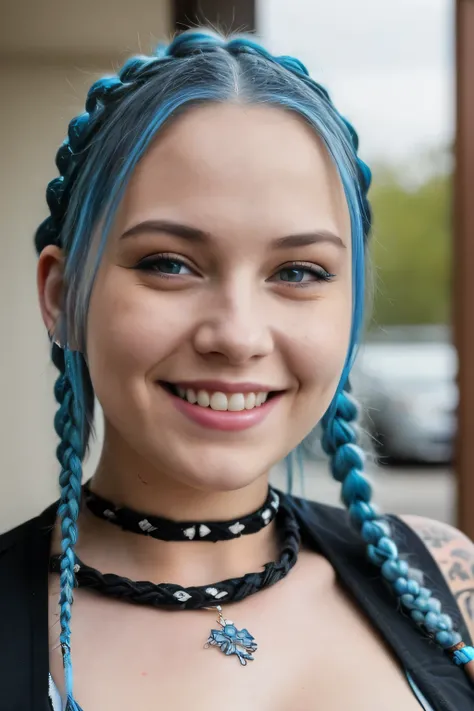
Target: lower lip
224	420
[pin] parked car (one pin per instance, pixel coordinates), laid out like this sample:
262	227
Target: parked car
410	397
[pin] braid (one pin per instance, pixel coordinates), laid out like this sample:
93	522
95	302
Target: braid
339	441
69	453
103	95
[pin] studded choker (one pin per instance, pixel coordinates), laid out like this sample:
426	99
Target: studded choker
166	530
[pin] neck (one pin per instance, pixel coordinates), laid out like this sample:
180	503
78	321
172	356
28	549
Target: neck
125	481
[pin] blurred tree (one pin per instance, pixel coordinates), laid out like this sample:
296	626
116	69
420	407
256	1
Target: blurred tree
411	247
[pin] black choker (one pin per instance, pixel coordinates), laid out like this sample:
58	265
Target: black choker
166	530
228	639
170	595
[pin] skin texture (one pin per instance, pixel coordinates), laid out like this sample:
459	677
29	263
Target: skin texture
256	175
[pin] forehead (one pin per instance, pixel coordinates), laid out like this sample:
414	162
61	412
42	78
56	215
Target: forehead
246	165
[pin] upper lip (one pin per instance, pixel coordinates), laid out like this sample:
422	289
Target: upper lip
223	386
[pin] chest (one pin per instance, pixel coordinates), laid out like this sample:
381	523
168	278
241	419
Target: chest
315	651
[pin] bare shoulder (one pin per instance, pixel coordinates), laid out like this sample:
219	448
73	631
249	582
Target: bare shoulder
454	554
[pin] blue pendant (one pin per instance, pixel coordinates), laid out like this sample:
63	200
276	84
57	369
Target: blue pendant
231	640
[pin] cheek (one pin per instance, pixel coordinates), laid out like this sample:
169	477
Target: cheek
319	349
129	330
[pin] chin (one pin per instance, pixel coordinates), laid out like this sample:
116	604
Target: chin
213	468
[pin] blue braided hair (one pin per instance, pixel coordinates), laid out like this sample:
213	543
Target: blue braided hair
67	423
123	114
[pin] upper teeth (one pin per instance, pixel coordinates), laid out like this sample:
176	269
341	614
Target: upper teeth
220	401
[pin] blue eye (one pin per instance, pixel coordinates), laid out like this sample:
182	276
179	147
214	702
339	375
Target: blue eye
166	265
298	274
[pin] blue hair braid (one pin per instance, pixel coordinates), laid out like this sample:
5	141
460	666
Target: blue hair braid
69	453
123	114
339	441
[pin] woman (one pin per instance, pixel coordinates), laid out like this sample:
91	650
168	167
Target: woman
202	275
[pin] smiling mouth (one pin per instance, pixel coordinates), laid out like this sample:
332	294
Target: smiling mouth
220	401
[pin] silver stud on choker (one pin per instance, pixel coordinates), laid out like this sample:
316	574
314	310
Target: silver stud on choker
167	530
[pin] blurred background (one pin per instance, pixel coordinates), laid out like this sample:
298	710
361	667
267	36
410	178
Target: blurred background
391	69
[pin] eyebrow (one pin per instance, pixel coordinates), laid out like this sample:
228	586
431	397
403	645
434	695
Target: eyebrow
193	234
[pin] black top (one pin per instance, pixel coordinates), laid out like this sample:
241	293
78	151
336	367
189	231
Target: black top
24	654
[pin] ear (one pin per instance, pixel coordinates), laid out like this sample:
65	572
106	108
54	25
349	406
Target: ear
50	283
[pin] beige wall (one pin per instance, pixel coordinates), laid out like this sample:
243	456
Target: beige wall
41	88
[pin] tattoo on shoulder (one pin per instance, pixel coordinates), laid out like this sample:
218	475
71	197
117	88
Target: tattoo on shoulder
436	536
458	567
465	600
458	572
463	554
456	562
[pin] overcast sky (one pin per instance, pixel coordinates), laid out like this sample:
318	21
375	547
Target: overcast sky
388	65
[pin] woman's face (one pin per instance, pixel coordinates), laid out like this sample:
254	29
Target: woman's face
226	279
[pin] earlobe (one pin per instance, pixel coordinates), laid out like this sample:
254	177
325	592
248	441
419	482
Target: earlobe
50	284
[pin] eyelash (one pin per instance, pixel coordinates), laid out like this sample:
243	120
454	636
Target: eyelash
149	264
321	274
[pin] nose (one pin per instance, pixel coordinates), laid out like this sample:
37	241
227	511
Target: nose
235	327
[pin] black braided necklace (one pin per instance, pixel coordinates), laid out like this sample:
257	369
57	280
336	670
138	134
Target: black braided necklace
229	639
166	530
